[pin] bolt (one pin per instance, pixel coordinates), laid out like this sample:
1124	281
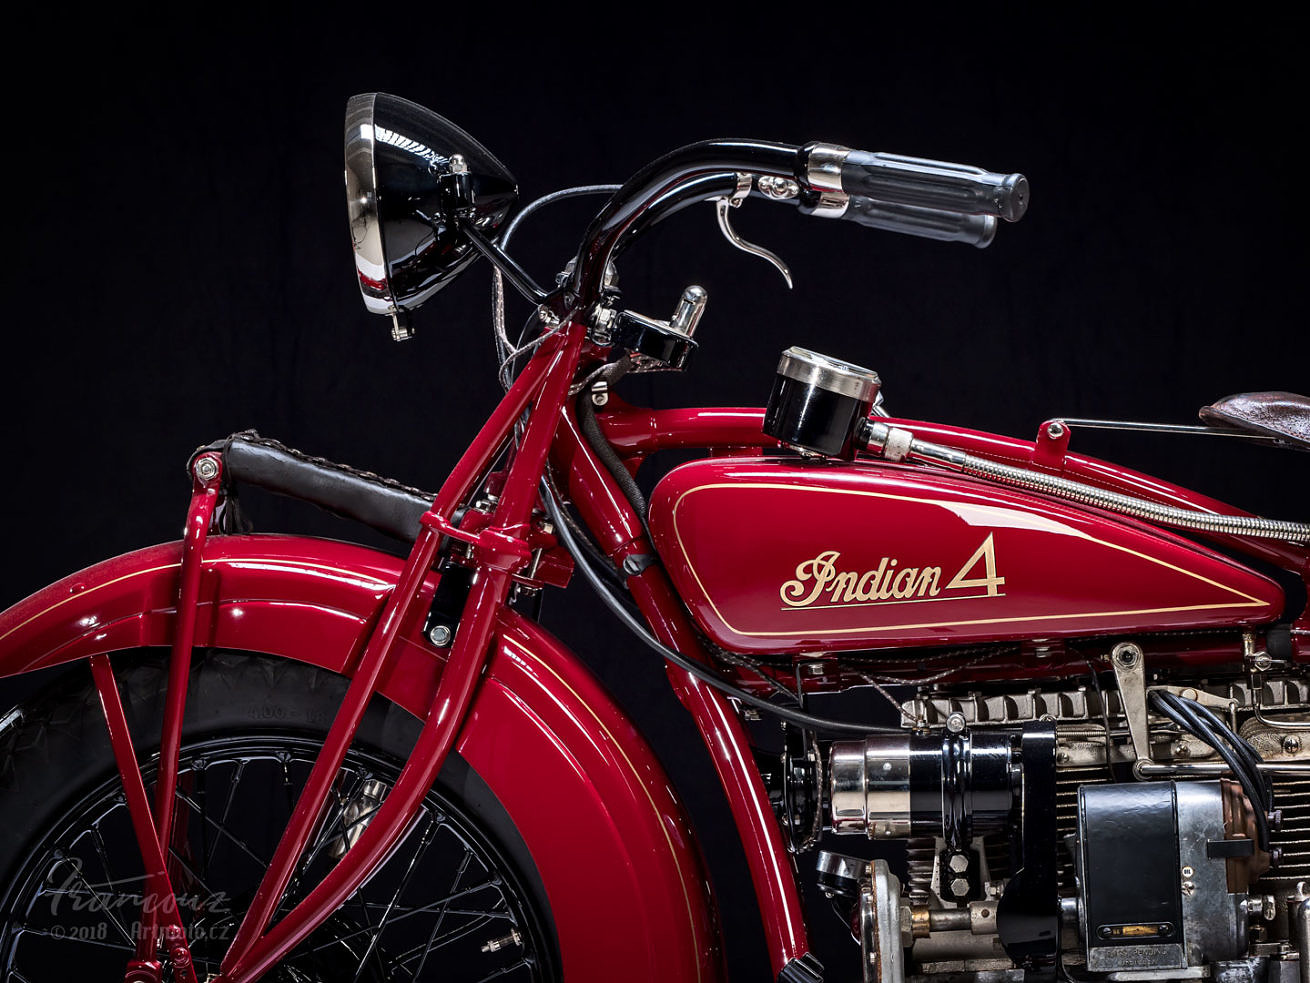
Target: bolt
958	863
440	635
1166	930
1263	662
1181	749
1062	756
547	527
955	723
1189	694
1055	430
1268	908
1291	744
1125	654
1188	888
206	469
960	886
815	669
1105	932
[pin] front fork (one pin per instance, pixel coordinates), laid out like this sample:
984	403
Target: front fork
497	552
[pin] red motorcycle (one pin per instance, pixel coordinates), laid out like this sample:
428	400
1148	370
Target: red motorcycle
329	763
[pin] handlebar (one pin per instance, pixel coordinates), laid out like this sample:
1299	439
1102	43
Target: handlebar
933	199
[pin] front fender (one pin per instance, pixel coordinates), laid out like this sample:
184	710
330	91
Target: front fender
610	839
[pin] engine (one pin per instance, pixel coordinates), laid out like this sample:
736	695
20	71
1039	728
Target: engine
1154	829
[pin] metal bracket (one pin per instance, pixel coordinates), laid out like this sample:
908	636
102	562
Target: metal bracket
1257	664
1130	673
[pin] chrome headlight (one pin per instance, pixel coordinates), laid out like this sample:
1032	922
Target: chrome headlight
412	180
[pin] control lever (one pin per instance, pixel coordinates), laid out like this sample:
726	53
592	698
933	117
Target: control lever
734	200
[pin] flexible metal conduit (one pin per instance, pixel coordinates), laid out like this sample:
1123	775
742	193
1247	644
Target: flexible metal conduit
897	444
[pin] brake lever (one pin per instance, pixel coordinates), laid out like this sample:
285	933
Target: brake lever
734	200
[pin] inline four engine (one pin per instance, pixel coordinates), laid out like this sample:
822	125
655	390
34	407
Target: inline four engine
1097	834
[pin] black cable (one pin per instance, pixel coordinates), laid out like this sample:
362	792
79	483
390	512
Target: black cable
1204	716
1177	709
1250	786
1243	746
604	450
701	672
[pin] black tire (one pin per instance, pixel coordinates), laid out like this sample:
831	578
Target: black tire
248	717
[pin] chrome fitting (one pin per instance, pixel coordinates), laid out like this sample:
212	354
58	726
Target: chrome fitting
206	468
777	188
823	163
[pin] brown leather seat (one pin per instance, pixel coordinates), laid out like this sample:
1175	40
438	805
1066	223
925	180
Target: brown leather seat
1283	416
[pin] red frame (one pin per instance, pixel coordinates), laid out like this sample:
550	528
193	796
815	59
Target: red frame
377	606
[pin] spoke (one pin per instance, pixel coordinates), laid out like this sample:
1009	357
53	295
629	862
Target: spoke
325	834
202	793
190	872
424	843
287	784
227	809
502	972
224	831
100	849
443	904
104	906
479	922
441	916
259	774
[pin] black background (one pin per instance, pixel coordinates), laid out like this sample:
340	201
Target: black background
179	266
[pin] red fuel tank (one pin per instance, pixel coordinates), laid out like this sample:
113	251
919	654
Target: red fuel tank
785	556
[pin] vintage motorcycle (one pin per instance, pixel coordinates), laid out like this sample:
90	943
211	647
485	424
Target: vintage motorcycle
325	762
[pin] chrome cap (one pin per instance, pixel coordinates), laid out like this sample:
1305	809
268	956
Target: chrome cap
829	374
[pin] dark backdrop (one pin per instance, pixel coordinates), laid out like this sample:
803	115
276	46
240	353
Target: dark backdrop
178	262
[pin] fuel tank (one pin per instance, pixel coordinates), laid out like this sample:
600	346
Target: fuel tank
780	555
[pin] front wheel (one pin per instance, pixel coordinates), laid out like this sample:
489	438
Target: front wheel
457	899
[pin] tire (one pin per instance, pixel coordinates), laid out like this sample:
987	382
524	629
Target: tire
458	898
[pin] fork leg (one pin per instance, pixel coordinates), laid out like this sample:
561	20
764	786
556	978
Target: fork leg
206	476
159	897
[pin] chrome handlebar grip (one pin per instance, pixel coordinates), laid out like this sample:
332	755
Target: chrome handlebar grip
916	181
927	223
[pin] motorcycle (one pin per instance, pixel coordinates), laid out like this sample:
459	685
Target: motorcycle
326	762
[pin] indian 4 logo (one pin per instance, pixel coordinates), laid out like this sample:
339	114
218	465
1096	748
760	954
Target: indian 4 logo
822	583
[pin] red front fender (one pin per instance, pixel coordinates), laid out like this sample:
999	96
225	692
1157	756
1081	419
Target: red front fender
591	801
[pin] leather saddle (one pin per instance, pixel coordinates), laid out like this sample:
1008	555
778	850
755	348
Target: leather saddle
1283	416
